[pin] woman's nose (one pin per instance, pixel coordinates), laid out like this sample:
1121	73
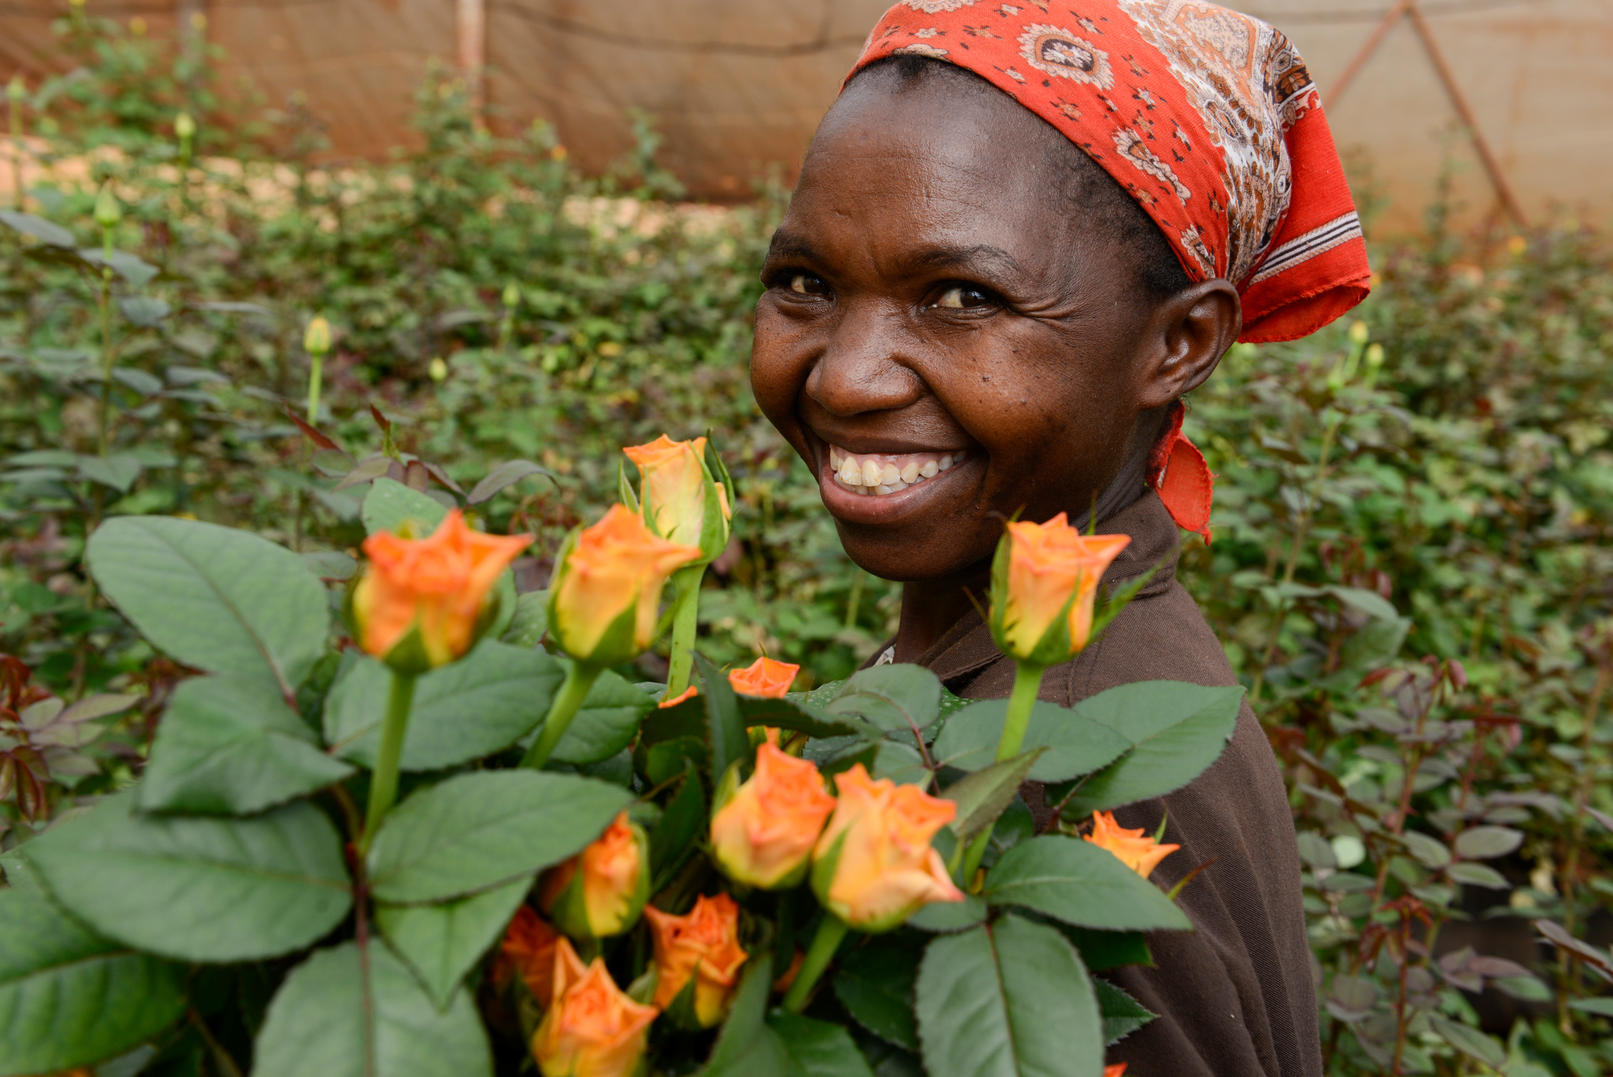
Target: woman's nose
865	366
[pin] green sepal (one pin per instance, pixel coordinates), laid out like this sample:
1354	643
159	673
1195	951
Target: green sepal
624	487
681	1010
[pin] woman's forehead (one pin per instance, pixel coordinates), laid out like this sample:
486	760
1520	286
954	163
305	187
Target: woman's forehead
935	166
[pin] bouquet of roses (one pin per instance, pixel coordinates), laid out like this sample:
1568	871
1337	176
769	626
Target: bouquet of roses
456	840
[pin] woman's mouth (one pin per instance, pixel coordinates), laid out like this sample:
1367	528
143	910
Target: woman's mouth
881	474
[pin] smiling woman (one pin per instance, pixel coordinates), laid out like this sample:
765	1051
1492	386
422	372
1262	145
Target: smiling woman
1021	234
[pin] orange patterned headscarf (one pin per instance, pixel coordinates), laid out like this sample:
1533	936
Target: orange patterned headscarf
1208	119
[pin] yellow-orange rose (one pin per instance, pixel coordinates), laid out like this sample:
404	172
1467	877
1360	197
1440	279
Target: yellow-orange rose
873	866
763	830
527	950
600	891
1138	851
419	601
702	945
607	588
1043	587
764	678
591	1028
680	498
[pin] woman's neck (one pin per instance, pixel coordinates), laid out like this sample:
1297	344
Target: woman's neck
930	608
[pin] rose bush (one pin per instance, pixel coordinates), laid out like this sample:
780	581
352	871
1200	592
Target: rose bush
531	874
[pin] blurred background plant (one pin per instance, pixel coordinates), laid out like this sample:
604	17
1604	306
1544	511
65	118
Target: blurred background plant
1412	572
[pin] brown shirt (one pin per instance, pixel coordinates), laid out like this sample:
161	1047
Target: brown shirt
1234	996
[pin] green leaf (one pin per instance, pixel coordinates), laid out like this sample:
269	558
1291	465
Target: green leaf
875	985
47	232
1101	950
441	942
1470	1041
118	471
199	889
1122	1014
742	1049
144	311
229	743
390	505
944	917
221	600
505	474
481	830
134	270
1483	842
530	620
465	710
1075	744
1078	883
726	738
1009	999
817	1048
1477	875
69	997
1176	731
982	796
794	714
893	698
338	1015
680	829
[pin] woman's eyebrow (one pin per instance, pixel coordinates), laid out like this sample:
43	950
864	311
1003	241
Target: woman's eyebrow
982	257
790	246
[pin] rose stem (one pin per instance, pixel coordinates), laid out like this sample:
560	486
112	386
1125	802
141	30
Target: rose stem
831	929
384	782
579	679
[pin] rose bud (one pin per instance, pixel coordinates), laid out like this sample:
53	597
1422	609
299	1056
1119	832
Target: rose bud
873	866
600	891
421	602
763	830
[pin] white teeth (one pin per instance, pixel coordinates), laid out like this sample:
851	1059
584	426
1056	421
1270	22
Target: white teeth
887	473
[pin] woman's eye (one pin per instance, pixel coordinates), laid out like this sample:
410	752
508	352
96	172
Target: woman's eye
964	296
804	284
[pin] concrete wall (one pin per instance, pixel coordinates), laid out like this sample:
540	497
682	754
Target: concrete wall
736	86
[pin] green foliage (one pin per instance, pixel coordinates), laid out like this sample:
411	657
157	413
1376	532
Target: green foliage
1011	998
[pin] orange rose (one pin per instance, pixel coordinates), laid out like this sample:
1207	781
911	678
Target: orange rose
873	866
764	678
703	946
763	830
680	498
1043	587
428	592
527	950
1115	1070
688	693
607	587
600	891
1139	852
591	1028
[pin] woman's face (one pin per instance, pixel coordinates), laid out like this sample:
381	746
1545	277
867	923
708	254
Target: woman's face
943	340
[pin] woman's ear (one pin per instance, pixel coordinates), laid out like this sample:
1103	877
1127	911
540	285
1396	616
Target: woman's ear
1193	329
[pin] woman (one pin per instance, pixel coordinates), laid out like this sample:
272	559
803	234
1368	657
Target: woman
1021	234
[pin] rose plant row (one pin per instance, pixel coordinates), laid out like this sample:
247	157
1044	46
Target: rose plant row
454	839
